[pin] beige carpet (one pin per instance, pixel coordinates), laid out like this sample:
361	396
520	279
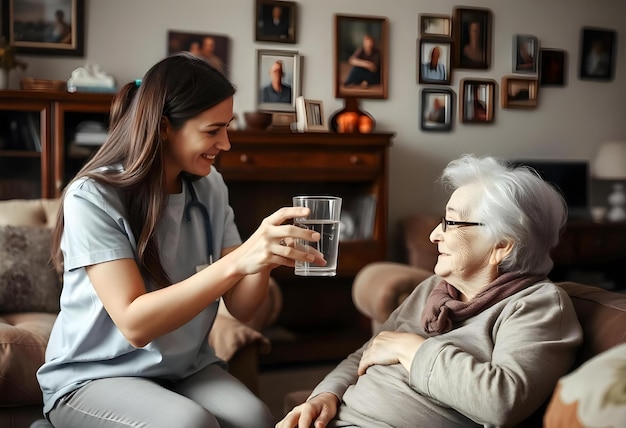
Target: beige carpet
275	383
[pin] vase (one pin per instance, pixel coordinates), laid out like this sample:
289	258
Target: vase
351	119
4	78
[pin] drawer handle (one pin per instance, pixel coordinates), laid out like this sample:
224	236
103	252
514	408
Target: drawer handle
355	160
244	158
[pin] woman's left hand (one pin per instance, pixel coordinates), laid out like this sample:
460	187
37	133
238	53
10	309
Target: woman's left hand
390	347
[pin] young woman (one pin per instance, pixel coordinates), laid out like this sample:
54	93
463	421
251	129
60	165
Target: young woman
148	245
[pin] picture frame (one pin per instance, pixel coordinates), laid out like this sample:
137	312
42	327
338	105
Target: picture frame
472	29
435	25
310	115
354	37
553	67
437	109
435	61
278	93
519	92
59	29
597	53
275	21
477	100
525	53
215	48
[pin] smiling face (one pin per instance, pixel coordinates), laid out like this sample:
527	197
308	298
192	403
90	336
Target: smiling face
466	255
194	147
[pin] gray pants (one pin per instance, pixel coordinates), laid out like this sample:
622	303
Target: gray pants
209	398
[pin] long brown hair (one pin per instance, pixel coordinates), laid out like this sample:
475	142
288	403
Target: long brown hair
179	88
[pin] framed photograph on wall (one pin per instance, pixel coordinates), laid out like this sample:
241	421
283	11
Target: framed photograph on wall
45	27
518	92
472	36
597	53
435	65
525	53
275	21
437	107
278	80
553	67
361	57
477	100
212	47
435	25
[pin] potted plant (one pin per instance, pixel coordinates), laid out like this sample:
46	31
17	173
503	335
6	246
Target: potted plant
8	62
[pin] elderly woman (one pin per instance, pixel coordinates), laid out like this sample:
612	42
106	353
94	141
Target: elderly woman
484	340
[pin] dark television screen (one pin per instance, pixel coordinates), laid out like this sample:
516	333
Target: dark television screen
570	177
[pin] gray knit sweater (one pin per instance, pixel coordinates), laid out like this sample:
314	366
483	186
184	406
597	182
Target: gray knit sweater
493	369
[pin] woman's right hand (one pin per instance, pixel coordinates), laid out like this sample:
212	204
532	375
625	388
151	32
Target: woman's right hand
316	412
272	244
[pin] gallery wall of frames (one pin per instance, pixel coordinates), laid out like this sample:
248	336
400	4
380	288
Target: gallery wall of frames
460	40
463	39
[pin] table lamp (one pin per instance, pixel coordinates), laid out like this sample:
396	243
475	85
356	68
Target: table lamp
610	164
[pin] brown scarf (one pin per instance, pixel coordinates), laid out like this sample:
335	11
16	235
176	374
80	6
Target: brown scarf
443	305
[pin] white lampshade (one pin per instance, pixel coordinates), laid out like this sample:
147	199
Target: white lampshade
610	161
610	164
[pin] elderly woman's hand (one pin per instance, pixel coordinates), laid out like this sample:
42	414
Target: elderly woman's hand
317	412
391	347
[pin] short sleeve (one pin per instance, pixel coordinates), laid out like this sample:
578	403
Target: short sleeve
95	229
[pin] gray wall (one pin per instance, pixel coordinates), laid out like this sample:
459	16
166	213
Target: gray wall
125	37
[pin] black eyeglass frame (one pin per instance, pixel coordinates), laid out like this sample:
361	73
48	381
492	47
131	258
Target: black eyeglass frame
445	223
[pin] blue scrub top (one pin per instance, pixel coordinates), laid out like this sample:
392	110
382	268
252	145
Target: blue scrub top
85	344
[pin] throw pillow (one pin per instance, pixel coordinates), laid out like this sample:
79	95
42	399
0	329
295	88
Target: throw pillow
28	282
594	395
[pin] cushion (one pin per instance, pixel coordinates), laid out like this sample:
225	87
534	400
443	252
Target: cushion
228	335
28	283
23	339
593	395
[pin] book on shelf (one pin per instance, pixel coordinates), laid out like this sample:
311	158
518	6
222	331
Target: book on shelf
90	133
359	218
23	133
366	216
33	133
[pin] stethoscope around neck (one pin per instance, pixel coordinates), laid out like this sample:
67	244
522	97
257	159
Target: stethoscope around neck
195	203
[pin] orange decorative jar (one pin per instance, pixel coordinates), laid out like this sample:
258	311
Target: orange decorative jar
351	119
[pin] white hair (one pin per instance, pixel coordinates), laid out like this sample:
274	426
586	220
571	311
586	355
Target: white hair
516	205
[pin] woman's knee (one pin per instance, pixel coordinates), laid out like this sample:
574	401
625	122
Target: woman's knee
192	417
253	414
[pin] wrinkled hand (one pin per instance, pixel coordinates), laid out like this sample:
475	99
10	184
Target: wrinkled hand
317	412
271	245
390	347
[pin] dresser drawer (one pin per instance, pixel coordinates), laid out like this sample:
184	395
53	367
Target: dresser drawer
297	159
342	165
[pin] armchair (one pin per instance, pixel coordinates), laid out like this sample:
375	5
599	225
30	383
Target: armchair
29	294
380	287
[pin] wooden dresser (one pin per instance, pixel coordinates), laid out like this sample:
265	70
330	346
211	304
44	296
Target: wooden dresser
263	170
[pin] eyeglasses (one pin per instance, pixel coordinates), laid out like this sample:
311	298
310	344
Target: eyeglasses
445	223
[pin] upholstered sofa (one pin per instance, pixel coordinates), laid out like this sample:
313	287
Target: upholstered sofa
29	301
380	287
